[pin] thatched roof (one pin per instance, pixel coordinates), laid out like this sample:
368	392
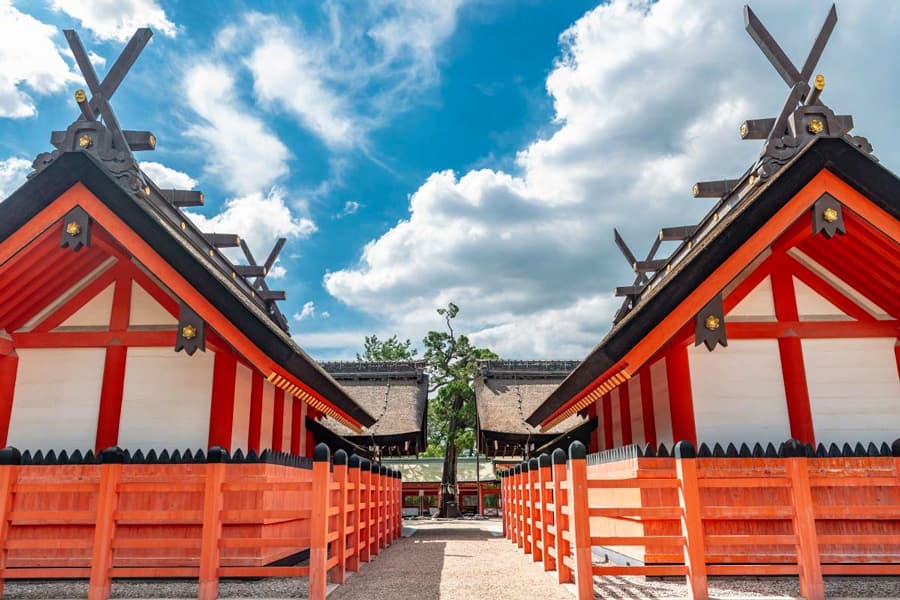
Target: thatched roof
395	393
428	470
507	392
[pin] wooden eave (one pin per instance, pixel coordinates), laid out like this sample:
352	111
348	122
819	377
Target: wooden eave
827	164
291	368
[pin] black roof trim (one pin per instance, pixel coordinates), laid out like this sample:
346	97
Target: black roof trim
73	167
838	156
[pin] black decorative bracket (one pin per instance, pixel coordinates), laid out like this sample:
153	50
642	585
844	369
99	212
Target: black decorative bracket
828	217
191	334
76	230
709	325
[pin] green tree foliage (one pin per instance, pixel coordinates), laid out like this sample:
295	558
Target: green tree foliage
386	350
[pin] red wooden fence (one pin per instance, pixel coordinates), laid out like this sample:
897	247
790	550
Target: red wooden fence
206	521
788	515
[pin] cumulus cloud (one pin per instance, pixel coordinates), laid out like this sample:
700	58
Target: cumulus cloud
168	178
117	19
259	220
12	174
308	311
31	63
647	99
244	155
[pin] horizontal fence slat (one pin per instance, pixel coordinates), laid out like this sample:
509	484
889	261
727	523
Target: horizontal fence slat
156	543
167	517
238	516
292	542
160	486
641	540
652	570
48	544
857	538
46	573
854	481
735	482
861	569
653	483
34	487
752	569
861	511
746	512
263	571
751	540
646	512
52	517
155	572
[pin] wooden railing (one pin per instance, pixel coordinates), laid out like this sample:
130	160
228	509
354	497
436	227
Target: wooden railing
787	514
199	520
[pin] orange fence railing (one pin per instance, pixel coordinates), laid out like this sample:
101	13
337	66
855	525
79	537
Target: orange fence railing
204	520
788	514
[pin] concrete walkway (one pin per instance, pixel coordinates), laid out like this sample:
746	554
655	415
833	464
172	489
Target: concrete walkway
451	560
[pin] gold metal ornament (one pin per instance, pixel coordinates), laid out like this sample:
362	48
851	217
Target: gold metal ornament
80	96
744	130
188	332
183	225
73	229
816	126
712	322
819	82
696	190
152	140
830	215
85	141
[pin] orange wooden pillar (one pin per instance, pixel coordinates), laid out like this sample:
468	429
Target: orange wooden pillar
221	414
379	507
10	459
681	403
812	587
526	509
339	475
365	514
111	461
534	501
9	366
318	543
514	505
579	521
691	520
561	544
354	480
374	526
211	532
544	500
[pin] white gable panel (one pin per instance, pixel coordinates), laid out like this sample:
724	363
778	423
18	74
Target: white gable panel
812	306
145	310
241	422
759	303
95	313
57	399
662	414
268	416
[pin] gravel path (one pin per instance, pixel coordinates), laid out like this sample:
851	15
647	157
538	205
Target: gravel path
452	560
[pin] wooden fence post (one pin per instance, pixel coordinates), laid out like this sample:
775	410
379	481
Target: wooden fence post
534	501
339	574
399	483
354	481
383	506
562	547
365	514
691	520
318	547
812	587
514	507
10	459
376	509
211	531
544	477
526	509
111	461
504	513
579	521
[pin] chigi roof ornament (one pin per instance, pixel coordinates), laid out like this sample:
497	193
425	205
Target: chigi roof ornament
802	119
97	132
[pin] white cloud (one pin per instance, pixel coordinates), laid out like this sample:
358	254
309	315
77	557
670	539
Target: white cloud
30	63
12	175
648	98
117	19
308	311
168	178
259	220
244	155
350	208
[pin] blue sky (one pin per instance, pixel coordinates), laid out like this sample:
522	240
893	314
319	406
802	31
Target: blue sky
416	152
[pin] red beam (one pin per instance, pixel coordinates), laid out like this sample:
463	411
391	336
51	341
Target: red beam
278	420
15	292
647	415
9	366
608	440
681	400
625	413
111	398
255	425
93	339
298	415
6	346
221	413
78	301
827	291
811	329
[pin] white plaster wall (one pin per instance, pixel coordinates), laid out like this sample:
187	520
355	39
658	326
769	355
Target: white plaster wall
637	419
286	423
145	310
854	390
240	426
812	306
662	413
616	417
738	393
268	409
95	313
166	401
758	304
57	399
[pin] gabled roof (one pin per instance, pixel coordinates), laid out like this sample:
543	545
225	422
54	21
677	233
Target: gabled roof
394	393
731	223
179	244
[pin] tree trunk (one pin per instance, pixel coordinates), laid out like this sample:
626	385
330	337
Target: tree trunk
449	507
